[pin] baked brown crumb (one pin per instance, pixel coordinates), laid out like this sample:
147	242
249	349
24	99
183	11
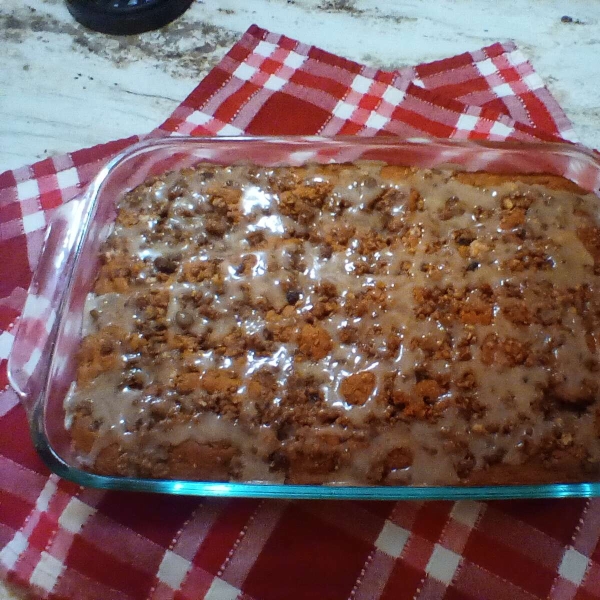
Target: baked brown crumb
314	342
357	388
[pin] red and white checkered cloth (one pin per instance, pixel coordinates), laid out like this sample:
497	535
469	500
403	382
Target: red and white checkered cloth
62	541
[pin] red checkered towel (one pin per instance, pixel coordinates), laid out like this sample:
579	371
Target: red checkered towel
62	541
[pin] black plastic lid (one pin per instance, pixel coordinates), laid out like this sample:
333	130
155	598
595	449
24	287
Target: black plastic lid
126	17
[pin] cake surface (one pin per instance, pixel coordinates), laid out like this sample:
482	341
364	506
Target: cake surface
358	324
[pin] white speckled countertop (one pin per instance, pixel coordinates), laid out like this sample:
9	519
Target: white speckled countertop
63	88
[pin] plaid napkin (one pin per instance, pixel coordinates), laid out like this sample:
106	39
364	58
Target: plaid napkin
62	541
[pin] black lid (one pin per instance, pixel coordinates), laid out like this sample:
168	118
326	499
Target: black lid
126	17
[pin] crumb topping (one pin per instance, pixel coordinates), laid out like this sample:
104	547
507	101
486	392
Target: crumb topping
363	324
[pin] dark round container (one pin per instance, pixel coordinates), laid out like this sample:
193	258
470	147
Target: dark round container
126	17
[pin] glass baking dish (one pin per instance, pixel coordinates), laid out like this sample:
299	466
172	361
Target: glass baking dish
42	366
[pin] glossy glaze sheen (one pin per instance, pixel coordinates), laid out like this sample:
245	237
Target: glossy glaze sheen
351	325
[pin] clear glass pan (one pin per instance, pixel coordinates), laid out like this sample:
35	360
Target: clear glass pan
42	366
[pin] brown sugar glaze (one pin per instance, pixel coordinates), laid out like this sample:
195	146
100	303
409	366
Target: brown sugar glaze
348	324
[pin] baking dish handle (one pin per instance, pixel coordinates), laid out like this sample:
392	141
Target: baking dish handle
31	352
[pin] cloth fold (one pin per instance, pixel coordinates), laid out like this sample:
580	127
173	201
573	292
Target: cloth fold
63	541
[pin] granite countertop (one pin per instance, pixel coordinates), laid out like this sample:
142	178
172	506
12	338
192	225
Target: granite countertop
63	87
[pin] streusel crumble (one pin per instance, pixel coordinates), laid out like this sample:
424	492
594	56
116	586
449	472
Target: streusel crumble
357	323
